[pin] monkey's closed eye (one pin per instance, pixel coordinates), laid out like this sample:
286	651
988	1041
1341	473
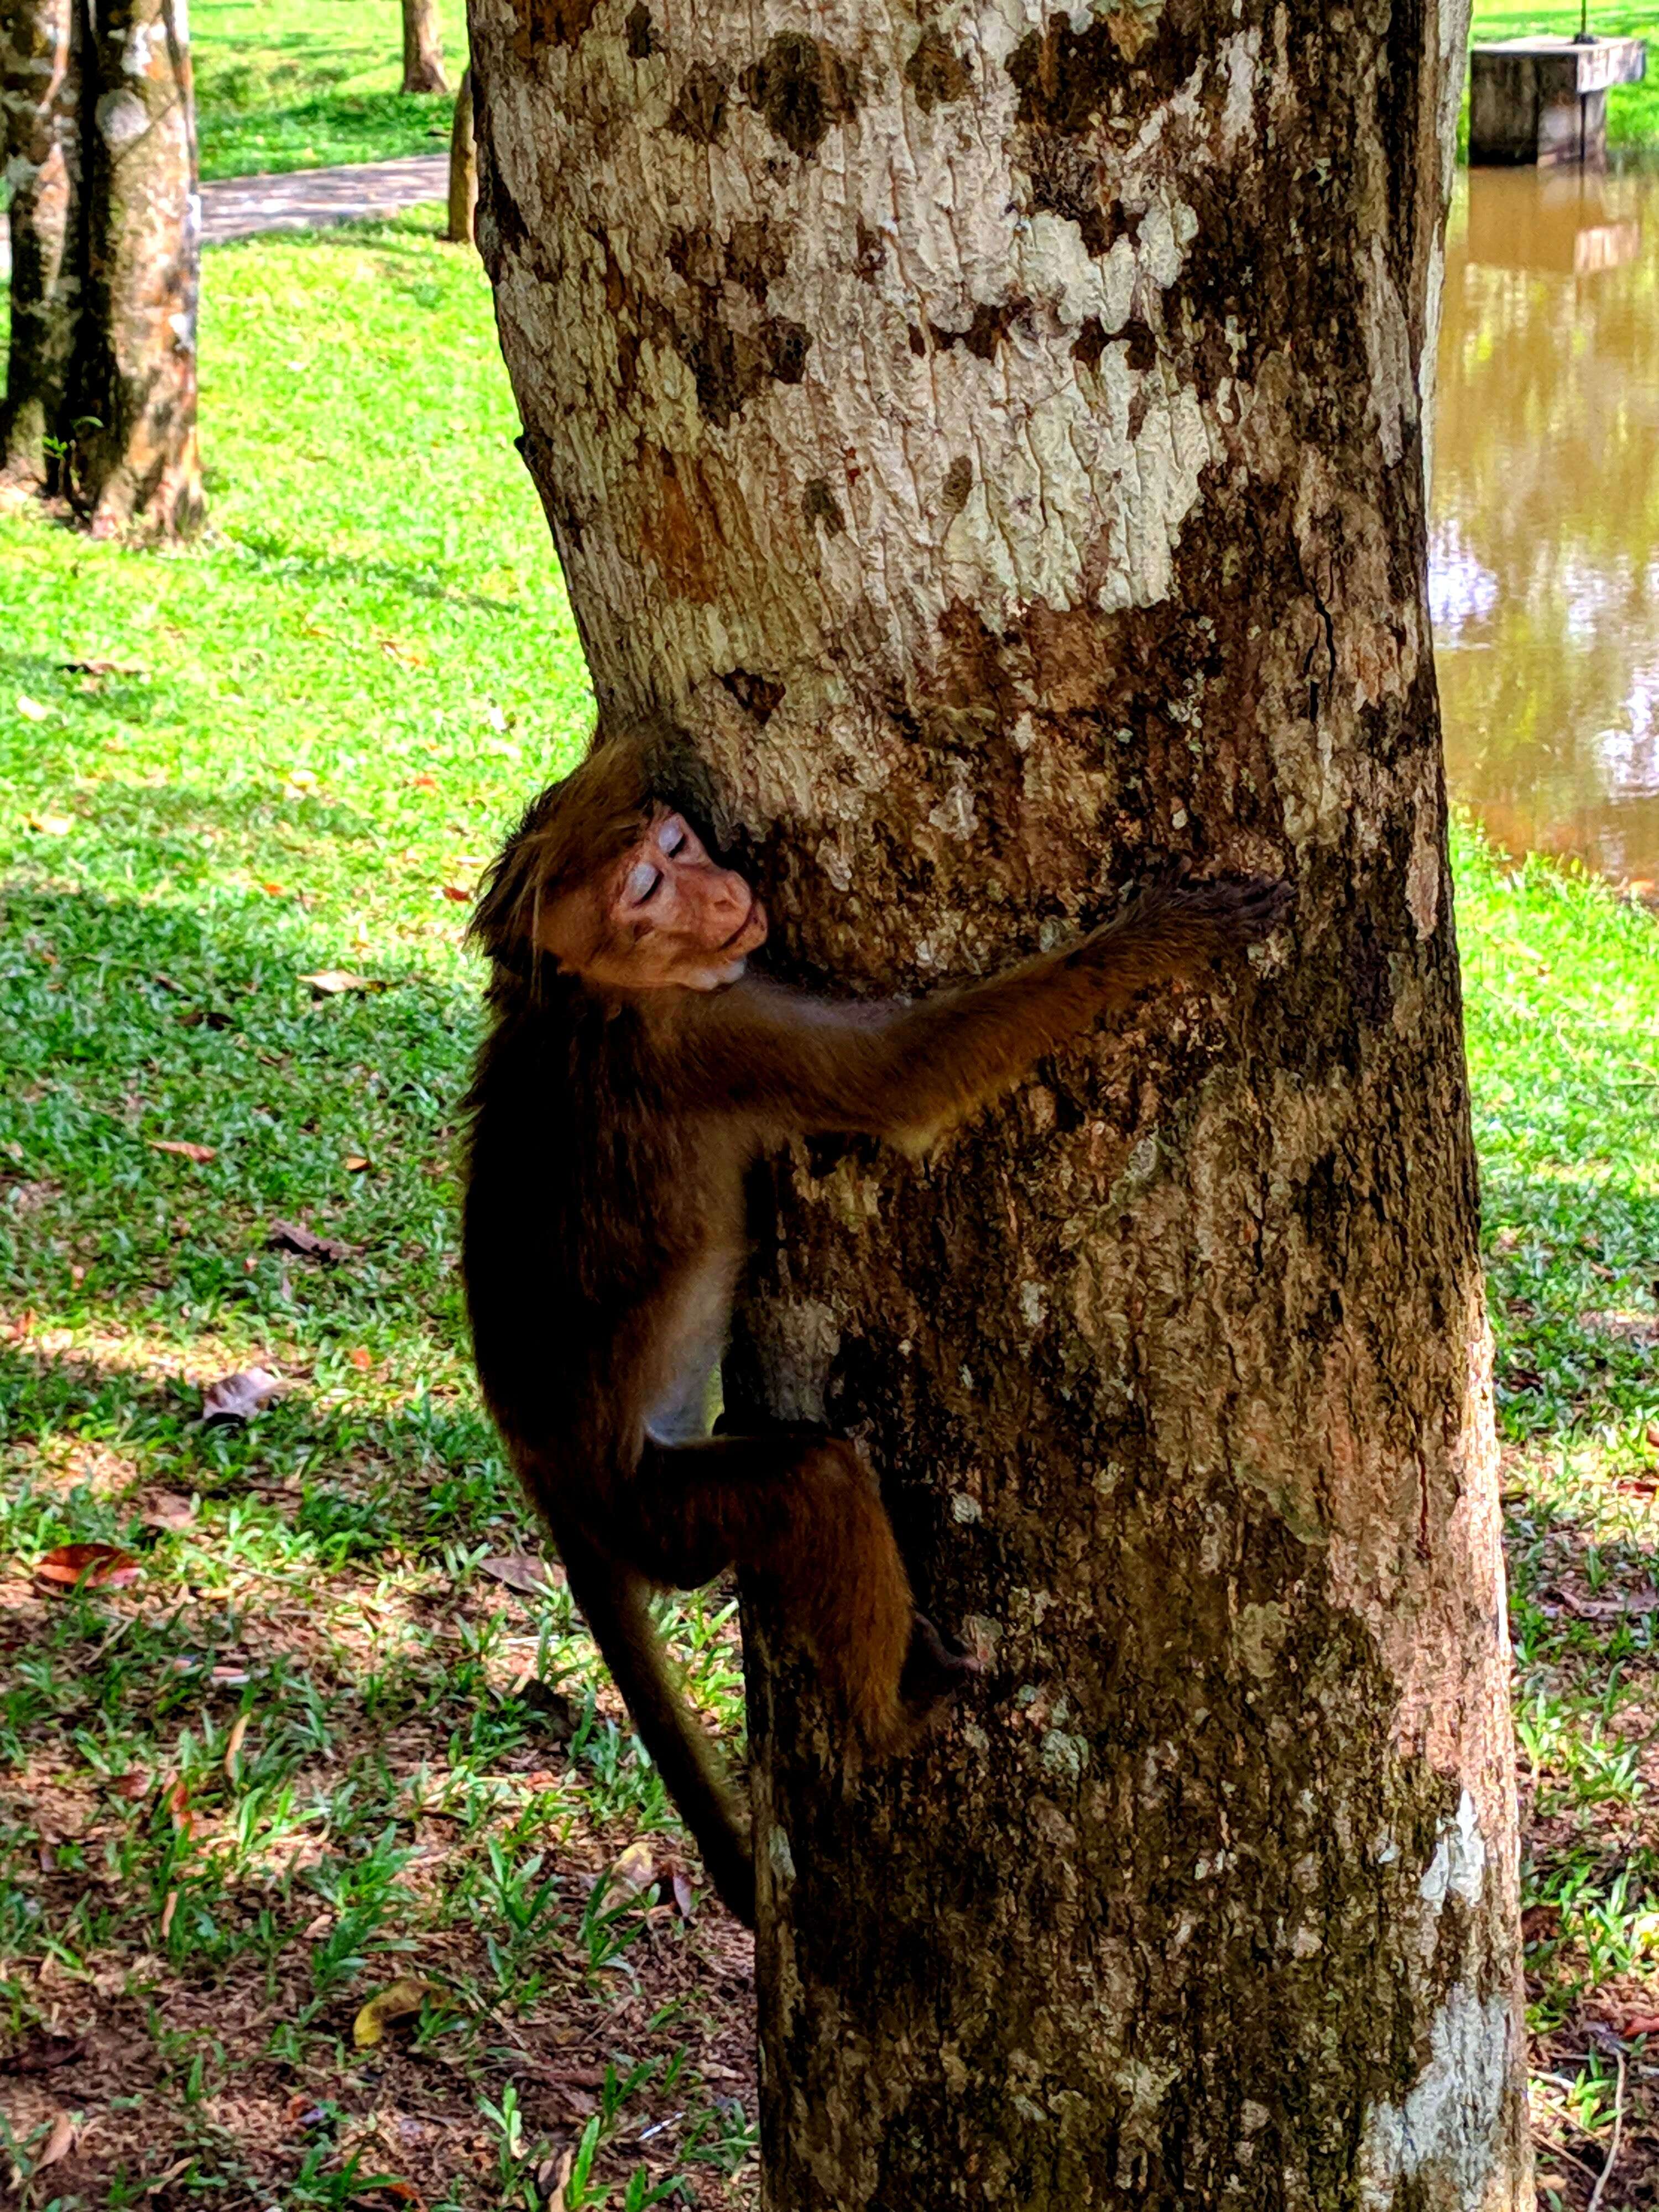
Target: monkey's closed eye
641	885
671	835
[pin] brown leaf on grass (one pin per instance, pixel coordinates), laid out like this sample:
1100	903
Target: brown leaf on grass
165	1509
401	2001
44	2058
330	982
634	1872
407	656
524	1572
168	1911
132	1785
683	1896
88	1566
423	783
1610	1609
290	1236
238	1397
356	1163
57	2145
456	891
555	2198
1641	2023
234	1744
183	1149
360	1357
177	1802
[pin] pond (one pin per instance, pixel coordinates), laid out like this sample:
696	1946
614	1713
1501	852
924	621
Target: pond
1545	515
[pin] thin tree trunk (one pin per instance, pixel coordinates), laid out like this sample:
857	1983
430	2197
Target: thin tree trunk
40	92
424	57
998	438
137	469
463	167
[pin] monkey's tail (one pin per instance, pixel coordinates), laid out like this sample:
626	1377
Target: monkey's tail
616	1605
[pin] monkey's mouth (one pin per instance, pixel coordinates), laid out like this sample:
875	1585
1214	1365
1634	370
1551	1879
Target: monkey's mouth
756	920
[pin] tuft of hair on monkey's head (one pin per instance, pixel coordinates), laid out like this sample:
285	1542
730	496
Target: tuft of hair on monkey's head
579	828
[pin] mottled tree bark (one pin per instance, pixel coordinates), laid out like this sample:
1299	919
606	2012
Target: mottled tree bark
997	435
138	470
463	167
40	97
424	57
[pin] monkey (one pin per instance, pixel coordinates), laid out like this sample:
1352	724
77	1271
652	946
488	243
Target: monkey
632	1069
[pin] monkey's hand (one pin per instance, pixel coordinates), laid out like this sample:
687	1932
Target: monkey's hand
1176	926
932	1674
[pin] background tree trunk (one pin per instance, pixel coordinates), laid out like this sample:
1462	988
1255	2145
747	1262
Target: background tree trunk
1000	442
40	92
463	167
137	467
424	57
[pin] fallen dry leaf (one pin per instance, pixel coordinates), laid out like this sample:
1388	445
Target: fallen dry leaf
165	1509
408	656
403	1998
634	1872
455	891
88	1566
1641	2023
58	2144
177	1802
362	1358
168	1911
556	2199
33	710
683	1896
234	1746
524	1572
290	1236
238	1397
356	1163
1610	1609
132	1785
186	1152
328	982
44	2058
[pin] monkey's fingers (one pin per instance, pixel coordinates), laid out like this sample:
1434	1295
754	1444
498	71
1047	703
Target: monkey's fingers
933	1672
1235	909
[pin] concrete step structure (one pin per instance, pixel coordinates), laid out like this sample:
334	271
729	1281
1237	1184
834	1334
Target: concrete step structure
1544	100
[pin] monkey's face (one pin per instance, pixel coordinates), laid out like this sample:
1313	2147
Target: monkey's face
667	914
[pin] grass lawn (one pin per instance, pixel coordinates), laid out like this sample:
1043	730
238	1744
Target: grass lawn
302	84
319	1745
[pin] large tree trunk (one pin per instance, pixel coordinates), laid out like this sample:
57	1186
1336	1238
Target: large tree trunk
1000	442
137	468
463	167
41	93
424	57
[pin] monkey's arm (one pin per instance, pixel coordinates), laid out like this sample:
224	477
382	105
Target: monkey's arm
910	1070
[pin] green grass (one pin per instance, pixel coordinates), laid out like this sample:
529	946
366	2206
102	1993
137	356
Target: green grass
316	1746
303	84
1632	109
282	752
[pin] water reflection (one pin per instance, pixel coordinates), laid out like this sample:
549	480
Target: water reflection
1545	550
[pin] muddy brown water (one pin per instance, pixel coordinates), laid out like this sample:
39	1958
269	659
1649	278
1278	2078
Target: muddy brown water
1544	573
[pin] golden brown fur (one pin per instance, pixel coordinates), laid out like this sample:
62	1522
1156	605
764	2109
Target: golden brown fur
610	1129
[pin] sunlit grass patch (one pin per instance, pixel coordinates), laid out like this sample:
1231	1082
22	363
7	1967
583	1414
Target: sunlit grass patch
302	84
1562	979
317	1745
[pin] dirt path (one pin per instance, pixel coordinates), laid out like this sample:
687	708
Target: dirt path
307	199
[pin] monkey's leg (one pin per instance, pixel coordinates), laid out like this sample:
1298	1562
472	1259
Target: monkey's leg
803	1509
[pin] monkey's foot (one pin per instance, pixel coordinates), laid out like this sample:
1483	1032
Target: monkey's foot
933	1671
